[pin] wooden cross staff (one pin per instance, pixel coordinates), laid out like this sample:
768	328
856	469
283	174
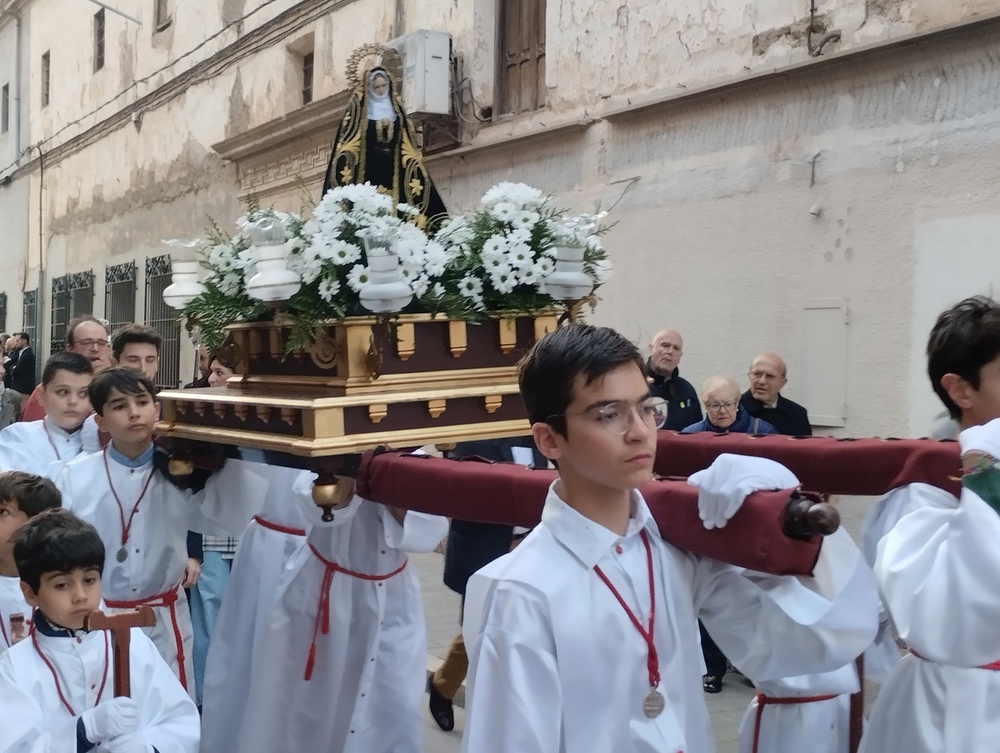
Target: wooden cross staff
120	625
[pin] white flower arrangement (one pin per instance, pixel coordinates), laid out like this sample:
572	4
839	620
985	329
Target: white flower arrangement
493	261
501	255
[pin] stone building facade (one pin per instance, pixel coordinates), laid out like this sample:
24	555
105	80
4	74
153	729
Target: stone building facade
810	176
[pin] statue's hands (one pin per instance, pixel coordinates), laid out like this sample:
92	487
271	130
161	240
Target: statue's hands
724	485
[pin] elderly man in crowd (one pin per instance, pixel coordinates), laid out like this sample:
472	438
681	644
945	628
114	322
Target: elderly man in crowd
665	351
768	375
87	336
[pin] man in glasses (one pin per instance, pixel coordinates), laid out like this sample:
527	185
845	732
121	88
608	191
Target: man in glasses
87	336
723	412
584	637
768	376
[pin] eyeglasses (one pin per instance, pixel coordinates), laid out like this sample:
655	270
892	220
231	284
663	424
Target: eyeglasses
728	405
616	417
88	344
763	375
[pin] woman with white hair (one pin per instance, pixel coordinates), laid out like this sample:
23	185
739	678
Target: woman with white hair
723	413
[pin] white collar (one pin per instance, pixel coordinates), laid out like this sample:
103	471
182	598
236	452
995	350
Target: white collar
586	540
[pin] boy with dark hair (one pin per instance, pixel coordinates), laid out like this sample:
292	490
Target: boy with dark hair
937	560
56	686
22	497
142	514
584	638
43	446
138	347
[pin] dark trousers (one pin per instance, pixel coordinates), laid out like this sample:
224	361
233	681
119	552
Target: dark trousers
715	661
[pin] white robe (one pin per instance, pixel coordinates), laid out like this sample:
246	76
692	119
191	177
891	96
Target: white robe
814	726
369	676
250	593
38	447
35	720
937	561
556	666
157	541
12	603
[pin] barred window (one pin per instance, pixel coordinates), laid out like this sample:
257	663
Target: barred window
29	322
3	313
45	79
307	78
119	295
5	108
164	320
72	296
162	13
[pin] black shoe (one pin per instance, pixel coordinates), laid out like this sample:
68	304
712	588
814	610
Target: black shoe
441	708
712	683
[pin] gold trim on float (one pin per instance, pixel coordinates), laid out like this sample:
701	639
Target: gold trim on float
330	447
508	335
405	341
255	384
544	325
492	403
436	407
458	338
376	412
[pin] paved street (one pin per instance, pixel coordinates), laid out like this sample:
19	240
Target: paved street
441	608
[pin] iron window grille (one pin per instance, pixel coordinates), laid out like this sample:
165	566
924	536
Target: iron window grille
29	322
3	313
99	40
45	79
119	295
307	78
164	320
72	296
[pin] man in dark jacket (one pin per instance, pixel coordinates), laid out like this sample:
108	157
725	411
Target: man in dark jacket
665	351
768	375
470	547
23	377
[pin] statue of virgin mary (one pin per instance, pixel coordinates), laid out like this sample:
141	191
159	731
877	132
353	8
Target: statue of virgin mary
375	143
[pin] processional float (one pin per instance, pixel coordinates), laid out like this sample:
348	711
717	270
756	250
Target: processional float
330	395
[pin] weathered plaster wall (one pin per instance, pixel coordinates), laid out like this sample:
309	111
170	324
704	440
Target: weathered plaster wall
715	233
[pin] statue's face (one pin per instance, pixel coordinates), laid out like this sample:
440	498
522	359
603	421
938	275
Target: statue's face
380	85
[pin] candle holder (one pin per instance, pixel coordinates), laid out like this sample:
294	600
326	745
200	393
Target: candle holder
184	284
386	291
274	281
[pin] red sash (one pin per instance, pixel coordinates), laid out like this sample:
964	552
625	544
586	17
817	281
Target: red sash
763	700
166	599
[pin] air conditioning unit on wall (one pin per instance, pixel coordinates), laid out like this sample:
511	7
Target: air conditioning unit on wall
426	85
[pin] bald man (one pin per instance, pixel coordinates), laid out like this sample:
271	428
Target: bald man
768	375
665	351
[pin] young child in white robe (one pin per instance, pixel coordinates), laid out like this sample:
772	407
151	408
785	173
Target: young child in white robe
43	446
266	547
57	685
342	665
585	637
143	516
22	497
938	562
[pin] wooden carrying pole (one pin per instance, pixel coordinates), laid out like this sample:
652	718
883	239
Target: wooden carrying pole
120	625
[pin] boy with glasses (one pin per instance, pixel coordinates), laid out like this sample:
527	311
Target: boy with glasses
584	637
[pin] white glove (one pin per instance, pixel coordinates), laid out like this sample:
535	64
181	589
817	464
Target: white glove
724	485
110	719
133	742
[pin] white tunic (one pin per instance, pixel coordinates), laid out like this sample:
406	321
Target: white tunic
938	561
36	721
38	447
556	666
369	674
253	585
814	726
12	604
157	538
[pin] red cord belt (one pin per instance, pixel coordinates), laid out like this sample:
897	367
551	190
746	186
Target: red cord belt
278	527
322	622
763	700
166	599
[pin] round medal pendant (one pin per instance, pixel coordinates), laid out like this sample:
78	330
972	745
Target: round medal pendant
122	555
653	704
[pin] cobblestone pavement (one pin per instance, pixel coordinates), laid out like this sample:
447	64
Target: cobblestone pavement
441	607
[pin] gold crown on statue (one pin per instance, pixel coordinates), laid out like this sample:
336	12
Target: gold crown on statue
374	55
